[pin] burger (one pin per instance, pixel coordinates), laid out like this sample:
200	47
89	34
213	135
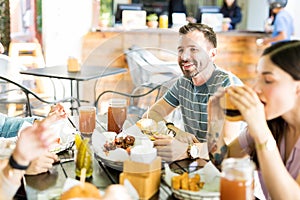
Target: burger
230	111
147	126
83	190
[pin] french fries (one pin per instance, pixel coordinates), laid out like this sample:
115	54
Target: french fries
185	182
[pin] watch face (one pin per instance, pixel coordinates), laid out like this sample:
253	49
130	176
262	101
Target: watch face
194	151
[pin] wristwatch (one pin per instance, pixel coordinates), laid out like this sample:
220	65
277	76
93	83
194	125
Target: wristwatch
170	132
13	163
269	145
193	151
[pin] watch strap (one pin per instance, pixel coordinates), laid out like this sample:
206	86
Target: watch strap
15	165
170	130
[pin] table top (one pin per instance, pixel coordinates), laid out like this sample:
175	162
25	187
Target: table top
86	72
50	185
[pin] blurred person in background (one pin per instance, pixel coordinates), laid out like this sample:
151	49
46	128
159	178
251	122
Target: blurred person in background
282	24
232	14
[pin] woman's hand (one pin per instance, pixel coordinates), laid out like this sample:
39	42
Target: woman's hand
250	106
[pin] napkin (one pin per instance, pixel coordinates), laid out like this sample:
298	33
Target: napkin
211	177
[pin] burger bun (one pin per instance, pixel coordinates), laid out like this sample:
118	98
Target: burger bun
84	191
230	111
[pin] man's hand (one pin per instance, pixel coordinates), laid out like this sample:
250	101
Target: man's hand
42	164
170	149
186	137
183	136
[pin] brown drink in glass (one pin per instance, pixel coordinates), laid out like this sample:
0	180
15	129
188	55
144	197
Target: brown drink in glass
87	119
237	180
117	113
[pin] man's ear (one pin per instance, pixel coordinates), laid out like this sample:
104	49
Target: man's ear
212	53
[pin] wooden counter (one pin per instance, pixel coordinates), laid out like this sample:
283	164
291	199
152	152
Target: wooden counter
237	51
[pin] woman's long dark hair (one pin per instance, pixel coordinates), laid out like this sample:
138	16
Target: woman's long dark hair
286	56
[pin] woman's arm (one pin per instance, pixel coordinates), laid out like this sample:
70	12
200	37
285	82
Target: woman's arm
279	182
220	133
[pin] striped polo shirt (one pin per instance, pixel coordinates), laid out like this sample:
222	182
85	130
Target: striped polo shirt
193	100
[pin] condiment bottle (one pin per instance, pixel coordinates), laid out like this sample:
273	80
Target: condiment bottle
237	179
163	21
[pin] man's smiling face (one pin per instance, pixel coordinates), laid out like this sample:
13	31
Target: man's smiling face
193	53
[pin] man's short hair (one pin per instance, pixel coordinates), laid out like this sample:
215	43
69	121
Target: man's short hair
207	31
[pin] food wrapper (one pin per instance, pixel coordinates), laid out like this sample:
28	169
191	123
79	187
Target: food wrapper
65	136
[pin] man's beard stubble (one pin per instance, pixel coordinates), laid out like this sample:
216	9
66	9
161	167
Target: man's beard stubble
190	73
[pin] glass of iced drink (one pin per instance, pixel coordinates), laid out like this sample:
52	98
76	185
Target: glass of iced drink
87	119
117	113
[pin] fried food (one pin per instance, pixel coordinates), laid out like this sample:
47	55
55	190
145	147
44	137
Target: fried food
185	182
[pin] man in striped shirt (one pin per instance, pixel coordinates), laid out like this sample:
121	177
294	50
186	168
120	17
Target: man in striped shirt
201	79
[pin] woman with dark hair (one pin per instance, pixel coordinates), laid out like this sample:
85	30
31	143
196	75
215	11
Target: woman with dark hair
272	112
178	6
231	13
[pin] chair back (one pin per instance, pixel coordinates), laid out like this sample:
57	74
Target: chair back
27	93
11	70
146	68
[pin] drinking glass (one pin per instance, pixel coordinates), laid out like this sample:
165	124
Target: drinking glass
237	179
117	113
87	119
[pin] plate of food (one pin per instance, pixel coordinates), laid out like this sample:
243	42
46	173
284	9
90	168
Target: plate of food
113	149
200	184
